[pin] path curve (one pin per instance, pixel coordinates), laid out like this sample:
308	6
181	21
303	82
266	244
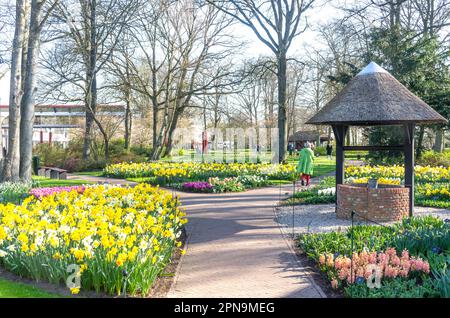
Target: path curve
235	248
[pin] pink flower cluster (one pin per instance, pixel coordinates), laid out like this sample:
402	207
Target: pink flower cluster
365	264
43	192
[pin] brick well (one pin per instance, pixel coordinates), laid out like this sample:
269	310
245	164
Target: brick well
386	203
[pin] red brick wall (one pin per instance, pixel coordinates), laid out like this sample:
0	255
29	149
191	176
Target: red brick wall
382	204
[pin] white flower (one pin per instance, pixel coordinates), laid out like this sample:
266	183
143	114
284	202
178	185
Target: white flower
3	253
39	239
327	191
129	218
87	241
143	245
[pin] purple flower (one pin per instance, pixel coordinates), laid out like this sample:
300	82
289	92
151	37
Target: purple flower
197	186
436	250
43	192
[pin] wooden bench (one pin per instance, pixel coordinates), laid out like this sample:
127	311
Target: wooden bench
52	173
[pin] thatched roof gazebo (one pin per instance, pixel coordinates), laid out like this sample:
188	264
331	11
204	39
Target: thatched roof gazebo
300	137
375	97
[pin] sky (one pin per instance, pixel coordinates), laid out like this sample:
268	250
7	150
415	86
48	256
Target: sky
316	16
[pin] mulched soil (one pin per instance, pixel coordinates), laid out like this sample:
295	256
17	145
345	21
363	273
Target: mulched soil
320	278
165	280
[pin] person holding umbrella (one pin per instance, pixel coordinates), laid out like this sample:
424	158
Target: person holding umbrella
306	164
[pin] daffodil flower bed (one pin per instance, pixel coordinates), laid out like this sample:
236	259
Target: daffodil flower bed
433	194
438	191
422	173
105	230
195	171
381	180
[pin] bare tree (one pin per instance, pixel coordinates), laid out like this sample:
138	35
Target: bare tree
88	36
181	44
11	166
37	22
275	23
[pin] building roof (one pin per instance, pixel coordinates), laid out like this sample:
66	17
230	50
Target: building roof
55	126
375	97
306	136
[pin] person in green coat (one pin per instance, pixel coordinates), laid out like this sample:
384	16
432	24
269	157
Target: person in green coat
306	163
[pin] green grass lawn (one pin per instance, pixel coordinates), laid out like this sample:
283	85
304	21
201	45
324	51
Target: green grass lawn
10	289
47	182
322	165
96	173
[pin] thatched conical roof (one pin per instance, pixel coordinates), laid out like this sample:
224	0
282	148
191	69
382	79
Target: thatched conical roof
375	97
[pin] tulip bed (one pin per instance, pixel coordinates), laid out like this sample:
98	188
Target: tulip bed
221	177
105	230
412	258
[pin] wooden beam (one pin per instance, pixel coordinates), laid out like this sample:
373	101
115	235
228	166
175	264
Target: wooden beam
409	164
340	132
374	148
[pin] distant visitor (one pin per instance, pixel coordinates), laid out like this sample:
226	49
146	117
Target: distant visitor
306	164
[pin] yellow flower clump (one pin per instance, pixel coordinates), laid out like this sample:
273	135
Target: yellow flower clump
430	190
195	169
422	173
380	180
105	230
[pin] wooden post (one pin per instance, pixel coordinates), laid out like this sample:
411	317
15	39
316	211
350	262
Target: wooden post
409	164
339	133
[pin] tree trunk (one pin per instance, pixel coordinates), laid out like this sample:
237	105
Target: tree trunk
1	147
282	131
27	102
158	150
11	165
171	130
155	112
420	142
91	81
127	125
318	137
127	109
439	140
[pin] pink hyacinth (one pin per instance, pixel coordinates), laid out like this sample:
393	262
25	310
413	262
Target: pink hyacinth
43	192
388	264
334	284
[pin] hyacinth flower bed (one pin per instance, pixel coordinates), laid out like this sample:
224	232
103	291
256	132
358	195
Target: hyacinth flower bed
197	186
105	231
43	192
220	185
410	259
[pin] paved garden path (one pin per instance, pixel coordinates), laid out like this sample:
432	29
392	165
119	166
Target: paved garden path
235	249
95	179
